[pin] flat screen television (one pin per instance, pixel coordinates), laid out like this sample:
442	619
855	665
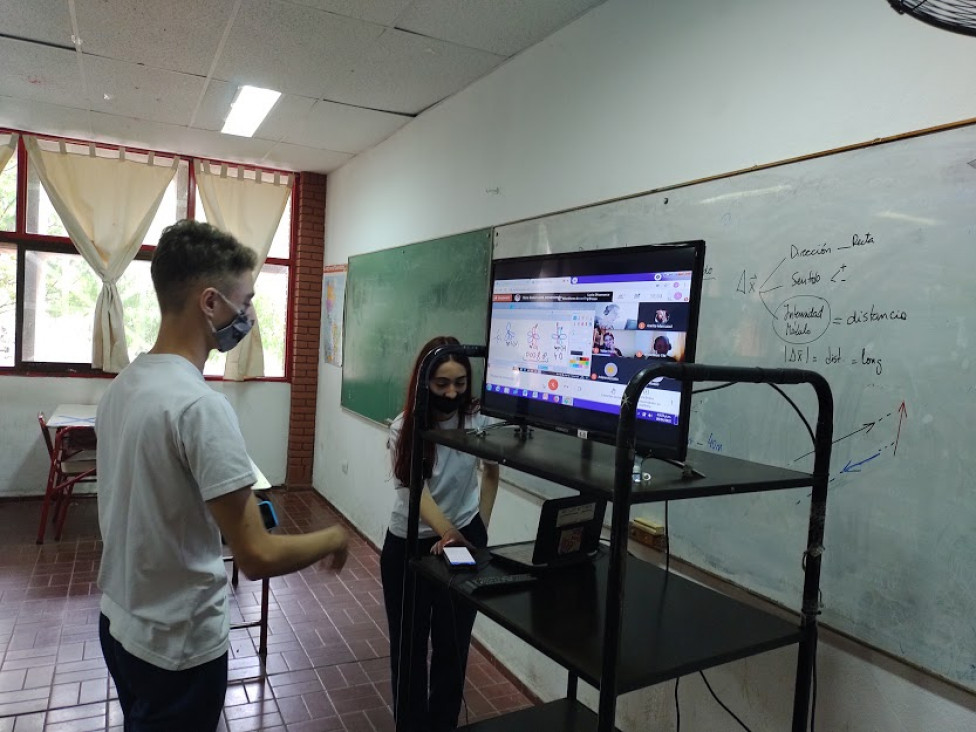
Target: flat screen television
567	331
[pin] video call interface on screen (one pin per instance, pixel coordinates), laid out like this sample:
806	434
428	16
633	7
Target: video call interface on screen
577	340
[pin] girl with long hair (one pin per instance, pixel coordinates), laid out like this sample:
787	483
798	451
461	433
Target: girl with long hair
454	509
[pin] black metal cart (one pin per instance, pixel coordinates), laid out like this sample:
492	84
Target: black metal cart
621	624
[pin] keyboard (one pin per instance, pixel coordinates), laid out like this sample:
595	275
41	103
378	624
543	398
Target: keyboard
498	582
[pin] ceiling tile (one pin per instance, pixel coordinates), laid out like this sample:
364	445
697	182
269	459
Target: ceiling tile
384	12
215	105
42	118
406	73
40	73
141	91
167	34
343	128
504	27
51	119
38	20
175	138
300	158
351	72
288	113
292	48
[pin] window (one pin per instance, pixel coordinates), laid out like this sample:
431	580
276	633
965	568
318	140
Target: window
270	297
271	305
41	216
8	195
280	245
44	220
173	206
58	290
8	303
139	307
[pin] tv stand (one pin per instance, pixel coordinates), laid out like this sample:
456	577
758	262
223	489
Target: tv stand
618	623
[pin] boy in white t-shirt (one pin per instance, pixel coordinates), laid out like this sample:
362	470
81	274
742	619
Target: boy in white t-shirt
173	475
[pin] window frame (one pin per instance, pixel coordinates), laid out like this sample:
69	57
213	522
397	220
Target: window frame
24	242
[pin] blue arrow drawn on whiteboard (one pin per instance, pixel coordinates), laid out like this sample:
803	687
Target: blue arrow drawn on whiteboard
856	467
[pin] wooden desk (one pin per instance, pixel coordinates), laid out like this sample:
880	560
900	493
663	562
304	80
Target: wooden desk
72	415
262	482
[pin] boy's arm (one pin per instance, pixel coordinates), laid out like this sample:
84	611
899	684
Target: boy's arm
260	554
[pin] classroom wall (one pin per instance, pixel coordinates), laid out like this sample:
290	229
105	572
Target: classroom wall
262	408
634	96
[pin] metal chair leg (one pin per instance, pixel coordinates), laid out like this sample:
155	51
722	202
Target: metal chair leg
49	495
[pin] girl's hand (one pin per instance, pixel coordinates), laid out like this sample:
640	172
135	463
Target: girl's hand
451	537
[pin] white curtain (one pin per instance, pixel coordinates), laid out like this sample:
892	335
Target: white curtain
107	205
250	210
7	150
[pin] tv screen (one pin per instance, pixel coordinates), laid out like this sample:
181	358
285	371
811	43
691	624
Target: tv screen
566	332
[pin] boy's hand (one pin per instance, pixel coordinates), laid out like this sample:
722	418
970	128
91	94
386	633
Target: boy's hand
339	555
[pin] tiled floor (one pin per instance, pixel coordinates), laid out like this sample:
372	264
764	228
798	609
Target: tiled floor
328	655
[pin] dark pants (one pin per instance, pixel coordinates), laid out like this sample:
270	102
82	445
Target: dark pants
446	623
156	700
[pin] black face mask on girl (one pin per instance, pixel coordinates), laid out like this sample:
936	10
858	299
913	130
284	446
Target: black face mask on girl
444	404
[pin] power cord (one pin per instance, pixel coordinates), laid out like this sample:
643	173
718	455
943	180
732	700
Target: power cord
798	412
774	386
667	539
715	697
813	705
480	431
714	388
813	701
677	706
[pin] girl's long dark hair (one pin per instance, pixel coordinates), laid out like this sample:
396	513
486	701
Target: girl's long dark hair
468	405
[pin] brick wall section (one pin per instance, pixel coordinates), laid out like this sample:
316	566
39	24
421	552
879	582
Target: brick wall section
307	260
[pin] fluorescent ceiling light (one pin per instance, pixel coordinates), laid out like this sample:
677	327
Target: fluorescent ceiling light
248	111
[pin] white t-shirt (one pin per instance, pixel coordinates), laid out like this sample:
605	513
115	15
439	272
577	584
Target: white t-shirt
453	484
167	443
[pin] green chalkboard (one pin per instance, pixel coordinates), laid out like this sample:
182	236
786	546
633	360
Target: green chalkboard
396	300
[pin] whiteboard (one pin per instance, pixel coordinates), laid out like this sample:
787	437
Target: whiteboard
860	265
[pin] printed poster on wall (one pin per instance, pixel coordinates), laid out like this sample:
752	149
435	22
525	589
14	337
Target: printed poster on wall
334	294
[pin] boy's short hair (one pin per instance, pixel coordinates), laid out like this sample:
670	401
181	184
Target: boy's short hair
192	252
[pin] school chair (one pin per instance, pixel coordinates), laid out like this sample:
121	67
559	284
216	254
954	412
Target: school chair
72	455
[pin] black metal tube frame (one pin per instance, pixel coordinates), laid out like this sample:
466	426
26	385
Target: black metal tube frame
623	475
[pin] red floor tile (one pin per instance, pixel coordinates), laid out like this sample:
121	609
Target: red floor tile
327	668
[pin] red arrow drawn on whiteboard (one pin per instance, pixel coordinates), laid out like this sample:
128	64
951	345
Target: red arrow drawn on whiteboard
902	413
